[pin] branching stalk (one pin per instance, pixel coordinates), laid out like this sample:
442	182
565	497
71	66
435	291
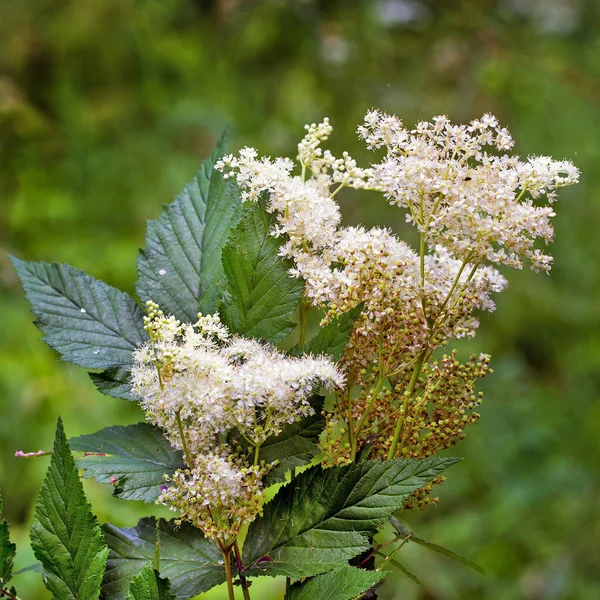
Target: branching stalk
186	451
228	573
408	394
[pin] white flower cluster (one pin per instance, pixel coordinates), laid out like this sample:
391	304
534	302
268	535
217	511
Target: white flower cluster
199	383
201	379
217	495
478	205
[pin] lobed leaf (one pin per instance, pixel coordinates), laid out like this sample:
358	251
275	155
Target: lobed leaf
8	551
191	562
88	322
262	294
181	268
65	535
343	583
148	585
134	458
326	516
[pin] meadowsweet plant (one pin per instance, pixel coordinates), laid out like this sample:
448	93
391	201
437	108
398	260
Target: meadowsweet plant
299	462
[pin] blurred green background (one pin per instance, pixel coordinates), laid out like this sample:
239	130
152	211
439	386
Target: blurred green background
106	109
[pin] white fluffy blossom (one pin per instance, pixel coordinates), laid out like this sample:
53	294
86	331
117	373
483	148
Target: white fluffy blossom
478	205
207	382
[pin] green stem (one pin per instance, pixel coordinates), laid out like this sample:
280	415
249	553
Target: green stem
304	308
380	379
408	394
256	452
228	573
186	451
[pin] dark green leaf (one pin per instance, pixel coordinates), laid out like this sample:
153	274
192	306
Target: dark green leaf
448	553
326	516
89	322
138	456
65	535
114	383
148	585
8	551
295	446
192	563
262	294
332	338
343	583
181	268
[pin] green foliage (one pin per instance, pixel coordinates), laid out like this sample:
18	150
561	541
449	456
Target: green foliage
148	585
192	563
114	383
295	446
8	550
134	459
326	516
89	322
181	268
65	535
262	294
343	583
332	338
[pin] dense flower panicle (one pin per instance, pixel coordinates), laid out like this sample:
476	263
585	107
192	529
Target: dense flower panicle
213	382
479	206
474	206
218	495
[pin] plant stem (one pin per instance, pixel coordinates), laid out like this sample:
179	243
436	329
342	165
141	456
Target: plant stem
6	593
256	451
408	394
228	573
186	451
304	308
240	568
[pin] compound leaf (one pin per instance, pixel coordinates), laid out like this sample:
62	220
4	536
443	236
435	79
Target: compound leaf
343	583
332	338
148	585
8	551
